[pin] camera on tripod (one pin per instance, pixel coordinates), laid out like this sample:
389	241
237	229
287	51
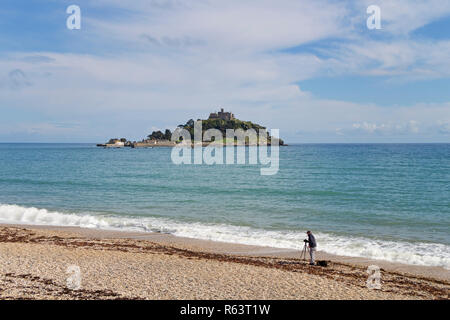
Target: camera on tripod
305	241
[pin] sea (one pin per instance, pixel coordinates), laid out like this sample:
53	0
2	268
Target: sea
378	201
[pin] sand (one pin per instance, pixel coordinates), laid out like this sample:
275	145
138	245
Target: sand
34	264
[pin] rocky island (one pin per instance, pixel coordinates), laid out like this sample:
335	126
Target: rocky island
217	120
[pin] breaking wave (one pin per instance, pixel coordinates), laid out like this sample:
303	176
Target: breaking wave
427	254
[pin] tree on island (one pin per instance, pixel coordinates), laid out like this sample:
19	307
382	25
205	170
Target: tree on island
158	135
167	134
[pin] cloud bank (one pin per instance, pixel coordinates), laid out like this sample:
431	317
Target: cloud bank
159	63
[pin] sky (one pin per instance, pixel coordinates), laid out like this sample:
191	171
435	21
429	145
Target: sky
312	69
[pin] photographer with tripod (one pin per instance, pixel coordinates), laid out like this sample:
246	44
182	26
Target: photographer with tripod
312	244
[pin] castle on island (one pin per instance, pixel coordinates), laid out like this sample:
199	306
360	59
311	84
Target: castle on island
221	115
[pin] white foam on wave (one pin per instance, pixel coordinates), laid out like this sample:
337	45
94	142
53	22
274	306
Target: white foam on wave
427	254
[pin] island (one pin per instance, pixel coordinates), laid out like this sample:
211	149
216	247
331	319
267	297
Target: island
220	120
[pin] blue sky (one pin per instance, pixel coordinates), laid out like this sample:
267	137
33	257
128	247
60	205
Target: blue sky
309	68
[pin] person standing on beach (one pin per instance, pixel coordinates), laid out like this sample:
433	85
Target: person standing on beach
312	247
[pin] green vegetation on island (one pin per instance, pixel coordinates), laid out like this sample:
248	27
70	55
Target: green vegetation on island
158	135
221	121
223	124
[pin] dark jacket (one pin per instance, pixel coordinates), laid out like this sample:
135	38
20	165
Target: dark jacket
312	240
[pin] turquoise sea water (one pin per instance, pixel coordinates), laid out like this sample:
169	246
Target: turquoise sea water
383	201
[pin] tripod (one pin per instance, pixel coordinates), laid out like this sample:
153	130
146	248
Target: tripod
305	249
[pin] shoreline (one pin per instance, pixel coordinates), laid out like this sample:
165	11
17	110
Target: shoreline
133	265
229	248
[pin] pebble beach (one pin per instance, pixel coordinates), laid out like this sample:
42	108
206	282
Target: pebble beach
35	264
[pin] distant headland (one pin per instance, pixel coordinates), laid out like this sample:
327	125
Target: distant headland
220	121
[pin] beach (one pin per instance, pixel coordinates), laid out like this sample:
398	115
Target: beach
34	262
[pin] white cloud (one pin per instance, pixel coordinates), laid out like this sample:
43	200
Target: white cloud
405	58
234	25
444	126
411	126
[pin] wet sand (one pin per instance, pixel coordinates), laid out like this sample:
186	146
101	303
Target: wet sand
34	263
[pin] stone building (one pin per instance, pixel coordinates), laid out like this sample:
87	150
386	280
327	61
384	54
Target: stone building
221	115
